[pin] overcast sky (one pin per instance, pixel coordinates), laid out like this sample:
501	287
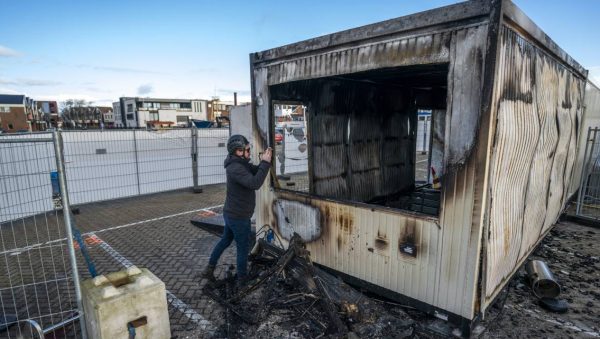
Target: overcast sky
101	50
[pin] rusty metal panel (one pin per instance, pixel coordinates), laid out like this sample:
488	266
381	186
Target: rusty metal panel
539	105
430	48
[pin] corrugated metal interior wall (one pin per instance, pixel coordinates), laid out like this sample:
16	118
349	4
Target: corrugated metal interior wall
360	239
363	129
539	108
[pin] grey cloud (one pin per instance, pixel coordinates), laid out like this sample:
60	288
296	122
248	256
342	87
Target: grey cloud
144	89
8	52
29	82
122	69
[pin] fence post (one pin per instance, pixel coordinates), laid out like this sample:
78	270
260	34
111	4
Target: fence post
585	168
137	165
195	188
62	180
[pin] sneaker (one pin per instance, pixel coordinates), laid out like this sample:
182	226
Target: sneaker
209	273
241	283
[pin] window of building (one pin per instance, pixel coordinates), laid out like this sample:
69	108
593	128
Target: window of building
182	118
4	109
10	126
129	107
360	136
186	105
129	116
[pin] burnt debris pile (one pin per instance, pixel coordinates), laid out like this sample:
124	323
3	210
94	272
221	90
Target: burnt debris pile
286	295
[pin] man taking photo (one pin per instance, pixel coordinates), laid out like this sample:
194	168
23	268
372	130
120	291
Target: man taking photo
243	178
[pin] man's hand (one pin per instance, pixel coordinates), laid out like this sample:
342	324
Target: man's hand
267	155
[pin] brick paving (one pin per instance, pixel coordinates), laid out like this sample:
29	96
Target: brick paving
151	237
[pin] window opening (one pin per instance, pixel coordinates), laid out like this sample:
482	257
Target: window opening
373	137
291	150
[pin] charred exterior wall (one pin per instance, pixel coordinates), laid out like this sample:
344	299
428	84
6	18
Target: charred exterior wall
366	241
539	104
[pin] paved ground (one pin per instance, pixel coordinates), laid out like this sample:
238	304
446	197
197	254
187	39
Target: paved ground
154	232
150	231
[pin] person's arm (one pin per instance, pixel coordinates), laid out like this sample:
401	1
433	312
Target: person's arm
245	178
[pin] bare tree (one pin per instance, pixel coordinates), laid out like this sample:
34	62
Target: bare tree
73	110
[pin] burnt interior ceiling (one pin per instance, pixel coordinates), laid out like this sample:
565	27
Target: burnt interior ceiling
362	132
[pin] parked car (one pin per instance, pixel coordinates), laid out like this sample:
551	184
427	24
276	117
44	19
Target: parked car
278	135
278	138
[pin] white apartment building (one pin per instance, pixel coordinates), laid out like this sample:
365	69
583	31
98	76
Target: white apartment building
141	112
117	118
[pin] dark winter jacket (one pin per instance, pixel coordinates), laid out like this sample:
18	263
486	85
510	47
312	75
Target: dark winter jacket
243	178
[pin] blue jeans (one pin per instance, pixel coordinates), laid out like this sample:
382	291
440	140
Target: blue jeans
238	229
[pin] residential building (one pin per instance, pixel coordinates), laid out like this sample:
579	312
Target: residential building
143	112
218	108
20	113
108	118
118	119
85	116
49	112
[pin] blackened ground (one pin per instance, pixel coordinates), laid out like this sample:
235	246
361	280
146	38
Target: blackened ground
572	252
155	232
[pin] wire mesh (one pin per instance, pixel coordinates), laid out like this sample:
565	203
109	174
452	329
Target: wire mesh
35	273
588	201
115	164
36	279
212	150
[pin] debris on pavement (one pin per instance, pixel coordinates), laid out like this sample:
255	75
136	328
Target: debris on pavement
287	296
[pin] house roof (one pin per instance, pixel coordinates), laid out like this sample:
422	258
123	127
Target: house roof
12	99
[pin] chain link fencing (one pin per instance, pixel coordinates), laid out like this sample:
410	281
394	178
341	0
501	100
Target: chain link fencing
588	199
39	284
39	291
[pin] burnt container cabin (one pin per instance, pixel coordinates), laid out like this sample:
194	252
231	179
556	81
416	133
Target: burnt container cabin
506	105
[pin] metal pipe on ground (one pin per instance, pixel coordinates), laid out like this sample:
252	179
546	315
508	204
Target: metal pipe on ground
543	283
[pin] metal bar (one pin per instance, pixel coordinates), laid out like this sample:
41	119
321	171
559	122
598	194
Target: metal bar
62	179
137	165
587	169
62	324
24	140
583	172
196	188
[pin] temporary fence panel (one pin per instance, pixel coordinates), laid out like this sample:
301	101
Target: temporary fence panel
212	150
37	286
164	160
591	118
588	200
21	164
100	165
